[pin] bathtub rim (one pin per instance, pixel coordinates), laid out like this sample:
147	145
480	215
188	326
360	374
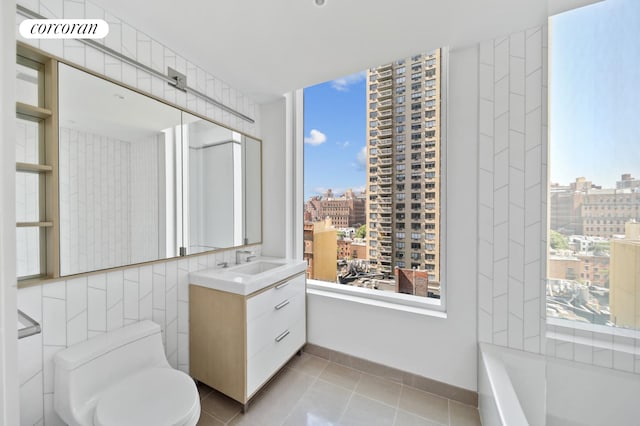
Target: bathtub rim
505	397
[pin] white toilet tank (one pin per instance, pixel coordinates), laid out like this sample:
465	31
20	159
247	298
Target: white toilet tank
85	370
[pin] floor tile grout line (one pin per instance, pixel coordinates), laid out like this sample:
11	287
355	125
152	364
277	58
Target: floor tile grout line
346	407
306	391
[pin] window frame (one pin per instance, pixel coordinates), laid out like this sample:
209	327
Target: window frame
398	301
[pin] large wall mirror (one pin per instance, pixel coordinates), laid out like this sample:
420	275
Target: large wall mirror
141	180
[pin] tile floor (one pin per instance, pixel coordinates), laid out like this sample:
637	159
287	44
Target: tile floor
313	391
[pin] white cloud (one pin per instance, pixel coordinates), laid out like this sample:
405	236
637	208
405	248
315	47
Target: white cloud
361	159
342	84
316	137
344	144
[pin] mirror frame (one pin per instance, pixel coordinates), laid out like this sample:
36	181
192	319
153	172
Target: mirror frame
38	55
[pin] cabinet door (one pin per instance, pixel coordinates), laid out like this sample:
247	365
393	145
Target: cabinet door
276	329
271	358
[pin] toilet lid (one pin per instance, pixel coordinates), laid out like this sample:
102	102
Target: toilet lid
154	396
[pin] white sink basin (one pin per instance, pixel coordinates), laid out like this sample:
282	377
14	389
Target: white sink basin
248	277
256	267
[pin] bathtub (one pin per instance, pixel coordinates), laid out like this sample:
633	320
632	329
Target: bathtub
518	389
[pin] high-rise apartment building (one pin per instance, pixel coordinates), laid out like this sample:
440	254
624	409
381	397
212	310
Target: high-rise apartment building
403	165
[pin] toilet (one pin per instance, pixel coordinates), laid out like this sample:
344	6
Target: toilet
123	378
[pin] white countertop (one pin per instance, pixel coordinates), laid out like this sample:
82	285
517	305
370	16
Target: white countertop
234	280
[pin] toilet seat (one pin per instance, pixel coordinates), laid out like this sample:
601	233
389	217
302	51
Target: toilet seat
154	396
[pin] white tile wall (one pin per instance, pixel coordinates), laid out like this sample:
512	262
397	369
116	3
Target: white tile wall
96	201
511	205
512	182
71	311
127	40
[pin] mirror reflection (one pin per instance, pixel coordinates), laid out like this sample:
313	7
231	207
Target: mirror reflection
117	168
141	180
214	206
252	166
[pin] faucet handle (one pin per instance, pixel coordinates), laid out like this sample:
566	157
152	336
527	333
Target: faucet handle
223	264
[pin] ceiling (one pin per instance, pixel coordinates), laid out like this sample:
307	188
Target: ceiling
115	111
268	47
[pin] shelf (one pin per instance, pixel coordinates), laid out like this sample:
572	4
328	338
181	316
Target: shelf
32	111
34	224
35	168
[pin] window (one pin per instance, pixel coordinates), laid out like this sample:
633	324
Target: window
591	244
387	221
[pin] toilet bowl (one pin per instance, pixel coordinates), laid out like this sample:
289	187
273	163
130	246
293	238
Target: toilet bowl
123	378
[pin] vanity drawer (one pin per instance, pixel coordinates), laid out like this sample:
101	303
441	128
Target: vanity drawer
268	361
266	327
266	301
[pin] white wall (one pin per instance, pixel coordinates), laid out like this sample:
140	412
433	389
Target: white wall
95	201
274	178
217	181
8	334
440	349
144	200
512	182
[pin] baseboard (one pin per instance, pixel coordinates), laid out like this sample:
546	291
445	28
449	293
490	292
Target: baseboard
445	390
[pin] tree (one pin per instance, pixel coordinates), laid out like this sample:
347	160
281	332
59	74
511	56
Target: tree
558	241
361	232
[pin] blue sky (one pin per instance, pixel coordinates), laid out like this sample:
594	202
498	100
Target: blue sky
594	105
335	135
595	93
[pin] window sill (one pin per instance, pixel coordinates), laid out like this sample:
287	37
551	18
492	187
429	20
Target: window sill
594	335
392	301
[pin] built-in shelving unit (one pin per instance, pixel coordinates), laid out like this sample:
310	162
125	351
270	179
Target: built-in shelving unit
37	78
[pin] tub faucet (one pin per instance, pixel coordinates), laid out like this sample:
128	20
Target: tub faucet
239	254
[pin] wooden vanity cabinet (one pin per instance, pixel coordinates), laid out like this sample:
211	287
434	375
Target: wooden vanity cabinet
237	343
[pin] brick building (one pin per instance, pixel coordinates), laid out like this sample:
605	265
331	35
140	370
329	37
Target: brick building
347	210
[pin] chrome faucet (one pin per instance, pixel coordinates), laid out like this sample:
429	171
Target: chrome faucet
223	264
239	254
251	256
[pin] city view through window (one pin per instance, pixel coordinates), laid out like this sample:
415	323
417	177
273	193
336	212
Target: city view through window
594	219
372	177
